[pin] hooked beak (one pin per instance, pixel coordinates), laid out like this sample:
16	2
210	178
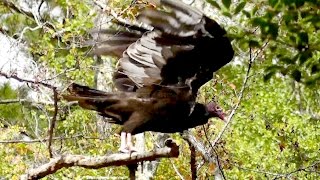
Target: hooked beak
221	115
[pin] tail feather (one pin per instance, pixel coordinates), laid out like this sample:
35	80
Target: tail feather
85	91
106	104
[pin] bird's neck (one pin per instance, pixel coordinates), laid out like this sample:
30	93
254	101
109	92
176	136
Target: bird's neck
199	115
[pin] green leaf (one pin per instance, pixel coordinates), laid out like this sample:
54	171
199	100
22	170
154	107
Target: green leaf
225	13
303	39
287	60
304	56
214	3
273	30
246	13
315	68
296	74
259	21
239	7
254	43
226	3
268	76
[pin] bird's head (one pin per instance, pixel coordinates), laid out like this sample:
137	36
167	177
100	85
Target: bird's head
215	111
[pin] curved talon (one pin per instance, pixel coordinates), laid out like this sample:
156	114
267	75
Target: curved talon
128	150
123	150
132	149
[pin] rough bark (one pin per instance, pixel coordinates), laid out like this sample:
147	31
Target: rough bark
96	162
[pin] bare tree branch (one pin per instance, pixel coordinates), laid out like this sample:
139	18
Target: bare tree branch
53	121
219	170
90	162
198	146
204	152
29	14
176	169
14	76
193	167
26	101
281	175
55	95
16	8
46	139
11	101
229	119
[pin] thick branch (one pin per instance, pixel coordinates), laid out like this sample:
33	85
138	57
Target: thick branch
197	145
91	162
16	8
53	121
193	167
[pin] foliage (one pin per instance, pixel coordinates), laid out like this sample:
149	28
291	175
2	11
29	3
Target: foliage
290	29
10	112
273	134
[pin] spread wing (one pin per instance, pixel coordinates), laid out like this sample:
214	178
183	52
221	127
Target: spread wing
184	48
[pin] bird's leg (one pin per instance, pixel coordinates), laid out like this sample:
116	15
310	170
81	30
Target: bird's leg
123	143
126	145
130	146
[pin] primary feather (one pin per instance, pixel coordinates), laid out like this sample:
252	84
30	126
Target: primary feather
184	47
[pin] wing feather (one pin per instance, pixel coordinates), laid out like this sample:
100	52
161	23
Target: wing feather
184	47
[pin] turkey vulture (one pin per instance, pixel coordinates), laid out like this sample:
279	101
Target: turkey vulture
159	72
155	108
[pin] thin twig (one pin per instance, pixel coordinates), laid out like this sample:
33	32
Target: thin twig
215	153
55	96
229	119
14	76
118	18
28	13
12	101
25	101
57	75
176	169
173	165
46	139
16	8
279	175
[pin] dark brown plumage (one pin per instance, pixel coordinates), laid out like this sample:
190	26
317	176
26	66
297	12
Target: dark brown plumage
159	71
184	47
152	108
